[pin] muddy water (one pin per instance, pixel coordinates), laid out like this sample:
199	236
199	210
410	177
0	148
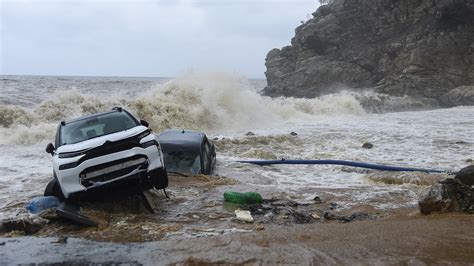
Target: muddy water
194	208
195	226
439	239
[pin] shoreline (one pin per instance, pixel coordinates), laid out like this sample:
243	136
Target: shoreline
400	238
191	229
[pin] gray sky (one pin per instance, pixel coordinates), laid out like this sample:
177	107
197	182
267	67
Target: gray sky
144	37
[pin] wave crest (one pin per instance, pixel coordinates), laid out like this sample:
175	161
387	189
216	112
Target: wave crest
212	101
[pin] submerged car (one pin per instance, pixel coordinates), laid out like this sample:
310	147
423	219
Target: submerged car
105	150
187	152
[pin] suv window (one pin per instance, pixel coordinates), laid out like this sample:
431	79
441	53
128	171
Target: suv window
96	126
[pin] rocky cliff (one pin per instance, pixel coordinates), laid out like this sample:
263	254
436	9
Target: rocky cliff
422	50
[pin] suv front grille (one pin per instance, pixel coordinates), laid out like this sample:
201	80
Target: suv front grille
111	170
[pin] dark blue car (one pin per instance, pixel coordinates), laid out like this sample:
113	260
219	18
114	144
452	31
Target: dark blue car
187	152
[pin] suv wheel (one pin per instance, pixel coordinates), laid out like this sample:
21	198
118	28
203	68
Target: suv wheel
53	189
160	178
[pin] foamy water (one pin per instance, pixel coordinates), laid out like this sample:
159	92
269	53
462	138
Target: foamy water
227	107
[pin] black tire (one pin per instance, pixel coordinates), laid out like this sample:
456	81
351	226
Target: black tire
53	189
160	178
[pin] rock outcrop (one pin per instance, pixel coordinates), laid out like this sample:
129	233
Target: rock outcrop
420	49
451	195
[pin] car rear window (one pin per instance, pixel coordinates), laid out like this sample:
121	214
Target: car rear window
96	126
182	162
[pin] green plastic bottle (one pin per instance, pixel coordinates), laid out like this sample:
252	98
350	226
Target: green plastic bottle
243	198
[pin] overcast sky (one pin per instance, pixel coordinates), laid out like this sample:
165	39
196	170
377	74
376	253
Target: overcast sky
145	37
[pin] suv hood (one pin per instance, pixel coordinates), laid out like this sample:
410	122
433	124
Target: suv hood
99	141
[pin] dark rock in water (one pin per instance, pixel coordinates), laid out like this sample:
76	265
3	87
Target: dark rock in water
216	138
469	161
294	134
466	175
449	195
367	145
421	52
317	200
2	243
250	133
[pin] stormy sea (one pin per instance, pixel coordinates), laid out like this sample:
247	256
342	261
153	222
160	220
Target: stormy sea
244	126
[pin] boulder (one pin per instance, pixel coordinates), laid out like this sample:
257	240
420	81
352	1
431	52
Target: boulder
466	176
422	49
451	195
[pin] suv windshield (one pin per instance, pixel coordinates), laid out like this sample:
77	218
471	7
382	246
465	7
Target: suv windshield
96	126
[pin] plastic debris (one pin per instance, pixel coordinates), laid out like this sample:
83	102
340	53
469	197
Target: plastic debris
259	227
244	216
39	204
243	198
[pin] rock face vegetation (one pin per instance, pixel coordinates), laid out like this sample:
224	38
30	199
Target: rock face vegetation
420	49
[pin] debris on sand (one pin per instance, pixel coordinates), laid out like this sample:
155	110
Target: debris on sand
244	216
202	180
259	227
243	197
22	226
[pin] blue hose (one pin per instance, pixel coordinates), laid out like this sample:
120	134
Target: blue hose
349	163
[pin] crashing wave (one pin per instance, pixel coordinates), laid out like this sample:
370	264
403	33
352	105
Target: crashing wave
374	102
203	102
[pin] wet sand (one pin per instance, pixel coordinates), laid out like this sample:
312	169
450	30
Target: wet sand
445	239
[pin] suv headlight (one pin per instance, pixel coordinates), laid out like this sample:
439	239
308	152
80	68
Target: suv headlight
68	165
149	143
143	134
71	154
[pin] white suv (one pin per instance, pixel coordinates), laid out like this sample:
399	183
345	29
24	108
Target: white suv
101	151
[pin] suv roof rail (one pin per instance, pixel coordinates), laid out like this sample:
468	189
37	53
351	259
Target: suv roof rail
117	108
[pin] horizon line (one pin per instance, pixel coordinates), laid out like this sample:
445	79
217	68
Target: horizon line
99	76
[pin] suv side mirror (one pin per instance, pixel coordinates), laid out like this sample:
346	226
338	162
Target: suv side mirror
144	123
50	148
